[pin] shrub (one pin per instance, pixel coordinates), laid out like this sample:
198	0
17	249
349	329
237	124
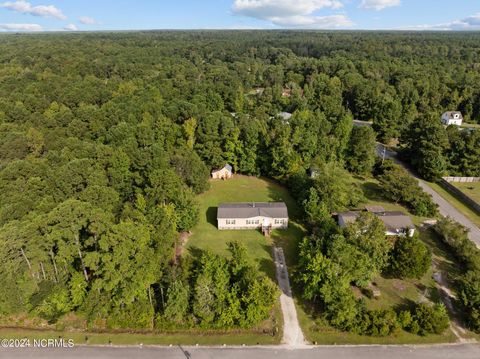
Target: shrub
431	319
410	258
455	236
469	288
54	305
380	322
405	319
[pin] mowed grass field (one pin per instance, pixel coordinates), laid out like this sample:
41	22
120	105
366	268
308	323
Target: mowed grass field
457	203
174	338
470	189
374	196
206	236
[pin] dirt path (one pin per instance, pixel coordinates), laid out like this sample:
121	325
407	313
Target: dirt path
292	333
447	296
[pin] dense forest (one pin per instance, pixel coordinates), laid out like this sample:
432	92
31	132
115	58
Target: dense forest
106	139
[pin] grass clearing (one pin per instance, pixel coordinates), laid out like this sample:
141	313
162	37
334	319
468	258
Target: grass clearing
374	195
206	236
470	189
457	203
180	338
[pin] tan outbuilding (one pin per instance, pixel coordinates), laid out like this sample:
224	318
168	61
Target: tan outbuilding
223	173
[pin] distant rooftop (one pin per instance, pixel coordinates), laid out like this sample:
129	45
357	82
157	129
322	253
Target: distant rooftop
285	115
451	114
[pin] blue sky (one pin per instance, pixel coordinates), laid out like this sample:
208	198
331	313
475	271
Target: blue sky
88	15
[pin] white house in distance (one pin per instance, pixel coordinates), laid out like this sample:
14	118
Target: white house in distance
452	118
396	223
252	215
223	173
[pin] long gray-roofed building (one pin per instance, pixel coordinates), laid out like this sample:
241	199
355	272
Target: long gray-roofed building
252	215
396	223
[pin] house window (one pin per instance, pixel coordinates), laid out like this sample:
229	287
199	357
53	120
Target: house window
230	221
279	221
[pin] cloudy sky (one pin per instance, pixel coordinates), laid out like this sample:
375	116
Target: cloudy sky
88	15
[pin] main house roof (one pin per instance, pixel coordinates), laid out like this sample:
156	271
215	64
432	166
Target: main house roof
393	220
252	209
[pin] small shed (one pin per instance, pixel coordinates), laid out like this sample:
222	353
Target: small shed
225	172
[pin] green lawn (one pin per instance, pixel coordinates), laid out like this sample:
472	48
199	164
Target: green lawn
470	189
181	338
457	203
206	236
374	195
470	125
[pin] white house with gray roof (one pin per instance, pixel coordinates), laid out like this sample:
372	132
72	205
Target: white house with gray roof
452	118
252	215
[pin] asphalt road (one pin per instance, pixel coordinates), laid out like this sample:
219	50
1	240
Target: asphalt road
445	208
463	351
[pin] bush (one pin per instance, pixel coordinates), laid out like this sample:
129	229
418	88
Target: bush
379	323
455	236
54	305
431	319
404	319
469	288
410	258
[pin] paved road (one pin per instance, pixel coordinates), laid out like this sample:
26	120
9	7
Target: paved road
292	333
464	351
445	208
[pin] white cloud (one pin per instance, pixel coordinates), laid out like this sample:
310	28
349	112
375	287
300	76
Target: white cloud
323	22
469	23
378	4
25	7
292	13
21	27
71	27
86	20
